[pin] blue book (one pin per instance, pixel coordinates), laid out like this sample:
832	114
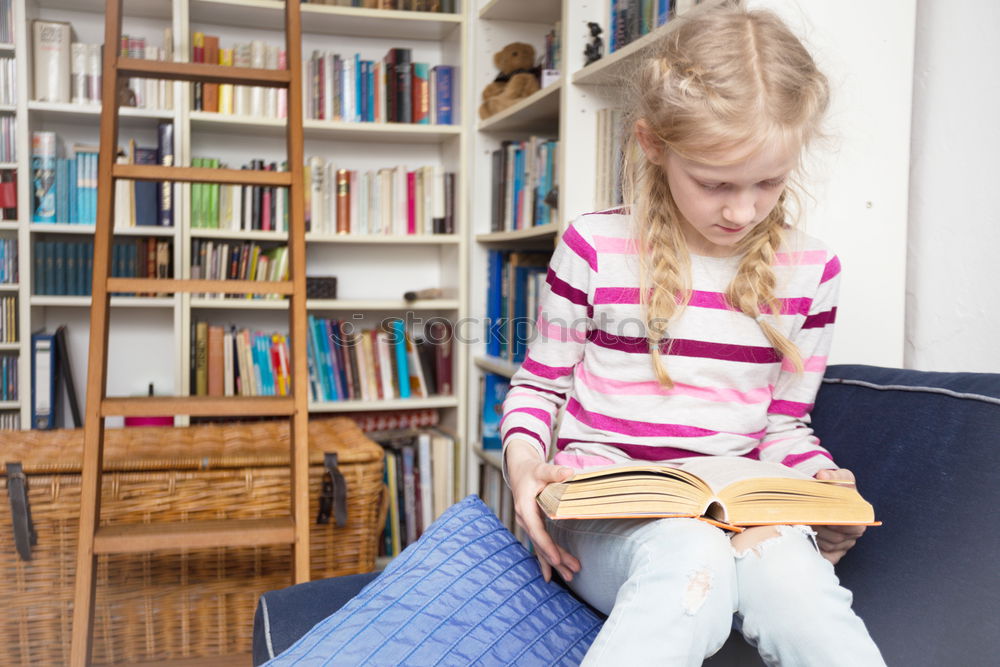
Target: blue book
72	279
38	268
88	274
495	390
326	361
444	102
72	190
62	190
662	11
59	268
339	375
518	184
44	409
146	208
314	355
49	280
494	297
402	367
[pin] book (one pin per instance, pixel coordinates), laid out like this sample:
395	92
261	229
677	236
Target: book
730	491
43	381
51	46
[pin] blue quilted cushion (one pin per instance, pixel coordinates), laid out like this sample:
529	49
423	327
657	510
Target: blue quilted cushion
467	592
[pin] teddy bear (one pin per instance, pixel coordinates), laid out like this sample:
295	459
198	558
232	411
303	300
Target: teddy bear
517	79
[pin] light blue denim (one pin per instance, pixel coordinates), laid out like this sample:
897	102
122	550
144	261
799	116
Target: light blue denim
670	588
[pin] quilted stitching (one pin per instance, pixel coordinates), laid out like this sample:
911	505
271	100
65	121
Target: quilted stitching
466	593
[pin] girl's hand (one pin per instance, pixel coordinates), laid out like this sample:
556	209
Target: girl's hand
835	541
528	475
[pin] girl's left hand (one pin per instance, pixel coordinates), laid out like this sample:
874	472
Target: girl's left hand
835	541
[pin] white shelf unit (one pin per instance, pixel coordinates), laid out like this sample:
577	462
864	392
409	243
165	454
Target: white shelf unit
867	162
372	271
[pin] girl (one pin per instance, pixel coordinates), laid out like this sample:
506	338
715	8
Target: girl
694	322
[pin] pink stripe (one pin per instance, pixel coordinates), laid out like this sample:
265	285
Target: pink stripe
524	431
771	443
576	242
615	245
790	408
795	459
612	386
537	413
580	460
545	371
643	429
560	333
799	258
812	365
831	270
699	299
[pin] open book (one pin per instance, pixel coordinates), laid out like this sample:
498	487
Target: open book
728	490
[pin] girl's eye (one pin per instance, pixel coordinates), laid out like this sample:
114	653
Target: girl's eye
773	183
711	186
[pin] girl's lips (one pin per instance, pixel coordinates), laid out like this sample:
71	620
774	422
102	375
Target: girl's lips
730	229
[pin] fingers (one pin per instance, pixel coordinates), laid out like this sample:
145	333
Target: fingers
838	475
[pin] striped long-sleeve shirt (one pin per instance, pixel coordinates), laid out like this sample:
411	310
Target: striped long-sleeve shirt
732	393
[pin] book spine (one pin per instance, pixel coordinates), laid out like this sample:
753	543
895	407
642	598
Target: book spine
43	176
421	94
51	57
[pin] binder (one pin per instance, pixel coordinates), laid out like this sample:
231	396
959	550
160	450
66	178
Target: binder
64	375
43	381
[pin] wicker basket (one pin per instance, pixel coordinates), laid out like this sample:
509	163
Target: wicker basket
186	603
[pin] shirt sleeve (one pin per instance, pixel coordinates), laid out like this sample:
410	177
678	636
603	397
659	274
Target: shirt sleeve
789	439
565	314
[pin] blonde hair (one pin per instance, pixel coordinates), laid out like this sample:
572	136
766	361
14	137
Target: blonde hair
724	78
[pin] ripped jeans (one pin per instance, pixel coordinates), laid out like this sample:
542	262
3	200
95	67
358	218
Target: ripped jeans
670	588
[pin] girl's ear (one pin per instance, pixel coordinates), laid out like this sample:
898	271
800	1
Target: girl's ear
652	146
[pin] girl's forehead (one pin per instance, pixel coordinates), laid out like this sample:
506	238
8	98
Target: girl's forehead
744	163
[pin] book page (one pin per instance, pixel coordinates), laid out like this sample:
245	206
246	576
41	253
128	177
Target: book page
719	472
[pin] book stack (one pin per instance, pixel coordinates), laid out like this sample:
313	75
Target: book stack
392	200
8	81
631	19
142	93
608	170
391	90
65	268
6	22
239	100
514	284
8	261
235	260
439	6
8	139
382	363
8	319
524	173
422	477
231	362
239	207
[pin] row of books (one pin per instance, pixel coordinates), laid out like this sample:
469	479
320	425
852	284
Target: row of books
392	200
514	283
235	260
233	99
631	19
552	56
423	477
608	167
8	139
231	362
142	93
380	363
8	194
6	22
8	377
8	81
239	207
10	421
51	377
391	90
440	6
8	261
65	268
64	190
8	319
493	390
523	178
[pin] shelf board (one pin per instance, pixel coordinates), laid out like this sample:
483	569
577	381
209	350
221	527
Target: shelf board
7	108
489	456
116	301
7	46
411	133
62	111
523	11
145	8
327	19
381	304
10	346
239	304
539	112
73	228
9	225
387	239
9	287
496	365
530	233
233	124
10	405
394	404
239	235
8	165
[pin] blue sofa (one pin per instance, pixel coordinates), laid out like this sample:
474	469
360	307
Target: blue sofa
926	451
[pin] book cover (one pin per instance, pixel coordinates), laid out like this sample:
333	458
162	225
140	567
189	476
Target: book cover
444	94
146	192
43	381
165	151
495	389
44	152
51	54
421	94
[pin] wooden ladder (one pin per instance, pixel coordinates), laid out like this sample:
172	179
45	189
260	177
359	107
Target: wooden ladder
94	539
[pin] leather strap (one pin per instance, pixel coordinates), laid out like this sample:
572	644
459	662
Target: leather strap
333	498
25	536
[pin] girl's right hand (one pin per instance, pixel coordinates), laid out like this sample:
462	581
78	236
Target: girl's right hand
528	475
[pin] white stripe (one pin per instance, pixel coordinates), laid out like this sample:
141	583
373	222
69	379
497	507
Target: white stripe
267	627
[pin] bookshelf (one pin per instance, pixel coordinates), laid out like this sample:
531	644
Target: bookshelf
865	141
139	324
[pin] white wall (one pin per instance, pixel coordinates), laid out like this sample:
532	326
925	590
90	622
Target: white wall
952	284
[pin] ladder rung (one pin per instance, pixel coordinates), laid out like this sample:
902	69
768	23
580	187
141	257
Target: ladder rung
158	69
143	537
172	286
198	406
137	172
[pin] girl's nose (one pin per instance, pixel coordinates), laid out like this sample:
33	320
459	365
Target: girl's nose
739	210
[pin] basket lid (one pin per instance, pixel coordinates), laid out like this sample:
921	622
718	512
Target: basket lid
199	447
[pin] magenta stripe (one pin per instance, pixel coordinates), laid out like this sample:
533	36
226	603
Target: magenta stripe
537	413
615	245
820	320
628	295
613	386
565	290
795	459
557	332
651	452
681	347
790	408
633	427
699	299
535	387
831	270
580	247
545	371
799	258
528	432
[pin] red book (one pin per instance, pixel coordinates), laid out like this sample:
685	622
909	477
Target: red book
411	202
210	91
441	335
